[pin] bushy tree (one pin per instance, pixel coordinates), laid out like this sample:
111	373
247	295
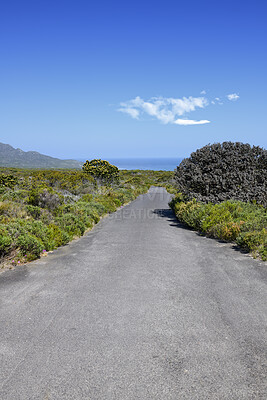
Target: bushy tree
102	171
224	171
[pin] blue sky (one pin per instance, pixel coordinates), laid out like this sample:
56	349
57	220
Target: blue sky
84	79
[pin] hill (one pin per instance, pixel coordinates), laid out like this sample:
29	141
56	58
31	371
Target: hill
11	157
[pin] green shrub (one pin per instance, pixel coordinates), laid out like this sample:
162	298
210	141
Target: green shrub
13	229
34	197
255	241
230	221
34	211
8	180
87	197
70	223
117	202
89	210
98	207
5	244
36	228
30	245
56	237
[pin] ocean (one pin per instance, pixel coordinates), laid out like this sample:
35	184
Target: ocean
156	164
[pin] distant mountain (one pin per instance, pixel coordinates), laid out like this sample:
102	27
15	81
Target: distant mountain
10	157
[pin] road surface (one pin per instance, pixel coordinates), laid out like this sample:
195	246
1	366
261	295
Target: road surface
139	308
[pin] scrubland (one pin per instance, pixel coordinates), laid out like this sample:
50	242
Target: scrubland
42	210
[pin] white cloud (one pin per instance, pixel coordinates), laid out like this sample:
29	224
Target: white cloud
131	111
217	100
191	122
203	92
233	96
165	109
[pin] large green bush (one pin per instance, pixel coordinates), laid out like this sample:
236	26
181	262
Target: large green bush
220	172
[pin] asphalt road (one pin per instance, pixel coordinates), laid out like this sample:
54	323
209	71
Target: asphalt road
140	308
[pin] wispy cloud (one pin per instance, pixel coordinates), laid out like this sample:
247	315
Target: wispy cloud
133	112
233	96
165	109
191	122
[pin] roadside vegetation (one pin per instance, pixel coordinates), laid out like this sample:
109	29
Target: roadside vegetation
223	194
220	190
41	210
